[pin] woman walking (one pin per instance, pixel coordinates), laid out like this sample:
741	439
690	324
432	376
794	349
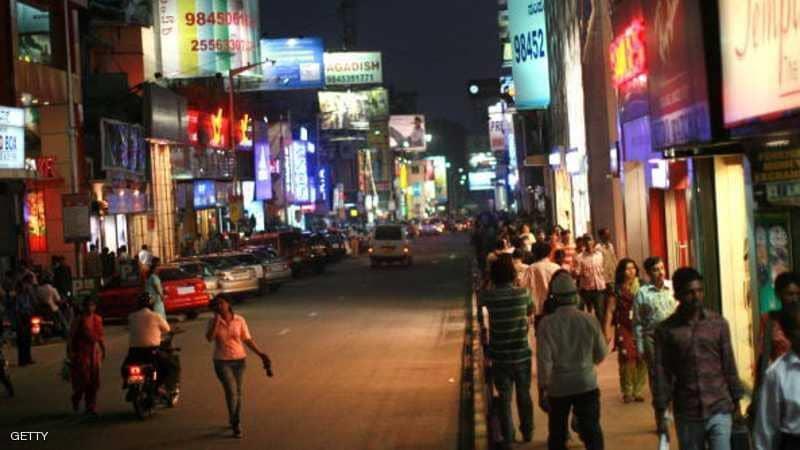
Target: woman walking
229	333
619	321
86	349
153	287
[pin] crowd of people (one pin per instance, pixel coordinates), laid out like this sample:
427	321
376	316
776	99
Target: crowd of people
583	301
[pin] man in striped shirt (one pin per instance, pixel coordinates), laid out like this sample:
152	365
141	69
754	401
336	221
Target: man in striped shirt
510	312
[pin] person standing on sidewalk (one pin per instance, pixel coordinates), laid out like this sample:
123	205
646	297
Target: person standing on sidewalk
609	257
229	333
589	269
86	349
25	299
695	370
619	325
777	425
154	288
653	304
570	344
537	278
510	312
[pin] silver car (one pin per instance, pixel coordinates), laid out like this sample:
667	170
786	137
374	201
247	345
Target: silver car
234	277
276	269
202	270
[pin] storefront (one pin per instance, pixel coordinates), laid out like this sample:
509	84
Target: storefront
12	189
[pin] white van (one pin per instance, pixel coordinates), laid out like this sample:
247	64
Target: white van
390	243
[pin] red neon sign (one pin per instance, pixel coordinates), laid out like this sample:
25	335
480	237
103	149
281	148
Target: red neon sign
627	54
207	129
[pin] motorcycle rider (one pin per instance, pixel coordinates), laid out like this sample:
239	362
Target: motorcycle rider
147	329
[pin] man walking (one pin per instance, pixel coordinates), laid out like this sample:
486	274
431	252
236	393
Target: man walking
652	305
589	268
537	278
695	370
510	311
606	247
570	344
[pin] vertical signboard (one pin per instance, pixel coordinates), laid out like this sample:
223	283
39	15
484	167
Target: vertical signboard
199	38
261	161
75	215
12	138
529	65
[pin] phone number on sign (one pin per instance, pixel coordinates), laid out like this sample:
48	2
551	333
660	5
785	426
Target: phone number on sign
221	45
217	18
354	79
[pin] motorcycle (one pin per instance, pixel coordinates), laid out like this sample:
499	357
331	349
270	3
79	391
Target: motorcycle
145	388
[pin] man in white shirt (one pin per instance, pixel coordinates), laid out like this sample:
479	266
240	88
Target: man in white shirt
777	425
146	329
526	238
537	278
145	257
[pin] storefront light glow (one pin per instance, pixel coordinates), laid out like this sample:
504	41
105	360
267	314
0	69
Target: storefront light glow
627	54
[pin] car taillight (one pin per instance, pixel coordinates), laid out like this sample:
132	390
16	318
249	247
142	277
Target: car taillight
36	324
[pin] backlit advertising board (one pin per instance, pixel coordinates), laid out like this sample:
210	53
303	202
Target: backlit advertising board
261	155
529	64
298	63
407	133
760	59
298	189
199	38
345	68
354	110
12	138
205	194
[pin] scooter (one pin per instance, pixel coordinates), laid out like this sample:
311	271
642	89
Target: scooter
145	389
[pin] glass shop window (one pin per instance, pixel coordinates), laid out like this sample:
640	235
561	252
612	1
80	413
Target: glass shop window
33	34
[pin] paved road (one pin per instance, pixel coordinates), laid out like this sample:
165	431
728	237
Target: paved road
364	359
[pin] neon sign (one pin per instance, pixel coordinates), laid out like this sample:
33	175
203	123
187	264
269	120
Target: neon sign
35	221
244	131
205	129
627	54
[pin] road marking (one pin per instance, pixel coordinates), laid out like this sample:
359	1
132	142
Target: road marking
284	332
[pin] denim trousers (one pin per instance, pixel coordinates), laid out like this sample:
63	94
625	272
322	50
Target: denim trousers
230	374
507	378
586	408
594	301
713	433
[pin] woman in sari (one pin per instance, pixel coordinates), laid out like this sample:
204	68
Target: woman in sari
86	349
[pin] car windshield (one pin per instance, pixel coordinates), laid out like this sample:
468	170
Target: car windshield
247	259
172	274
388	233
197	269
220	263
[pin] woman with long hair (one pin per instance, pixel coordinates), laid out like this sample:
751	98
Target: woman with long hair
619	321
153	287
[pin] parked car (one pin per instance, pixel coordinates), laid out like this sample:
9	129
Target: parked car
390	244
276	269
202	270
338	249
183	293
235	277
292	246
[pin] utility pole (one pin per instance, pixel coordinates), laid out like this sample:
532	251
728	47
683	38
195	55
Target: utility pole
73	147
348	10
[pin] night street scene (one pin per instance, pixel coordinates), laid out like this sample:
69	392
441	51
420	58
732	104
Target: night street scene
386	225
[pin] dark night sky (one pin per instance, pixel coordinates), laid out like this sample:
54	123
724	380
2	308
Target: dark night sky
429	46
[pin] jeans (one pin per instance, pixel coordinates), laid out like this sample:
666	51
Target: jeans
713	433
595	301
230	374
507	377
586	408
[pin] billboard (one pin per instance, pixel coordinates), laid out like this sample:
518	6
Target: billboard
346	68
439	177
481	181
124	147
298	63
12	138
352	110
200	38
529	65
770	42
208	129
407	133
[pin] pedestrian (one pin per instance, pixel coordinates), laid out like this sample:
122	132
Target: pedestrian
589	269
695	371
155	289
570	248
510	312
145	258
25	300
606	247
537	278
619	324
519	266
62	277
559	257
570	344
653	303
540	236
50	300
108	262
777	424
502	246
94	264
526	238
229	333
5	378
86	349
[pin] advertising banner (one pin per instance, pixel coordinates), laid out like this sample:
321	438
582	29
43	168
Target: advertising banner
347	68
439	177
407	133
124	147
352	110
263	187
12	138
199	38
678	88
298	63
499	127
529	65
760	59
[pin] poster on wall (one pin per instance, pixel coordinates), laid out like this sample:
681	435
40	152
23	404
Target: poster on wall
407	133
345	68
298	63
352	110
765	38
124	147
529	64
773	255
199	38
12	138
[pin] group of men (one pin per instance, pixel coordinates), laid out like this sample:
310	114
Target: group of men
687	347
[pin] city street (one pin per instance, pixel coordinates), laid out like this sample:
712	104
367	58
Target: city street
363	359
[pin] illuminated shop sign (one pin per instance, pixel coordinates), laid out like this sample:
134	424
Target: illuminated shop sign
206	129
529	65
205	194
12	138
244	132
353	68
35	221
262	163
628	54
297	185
